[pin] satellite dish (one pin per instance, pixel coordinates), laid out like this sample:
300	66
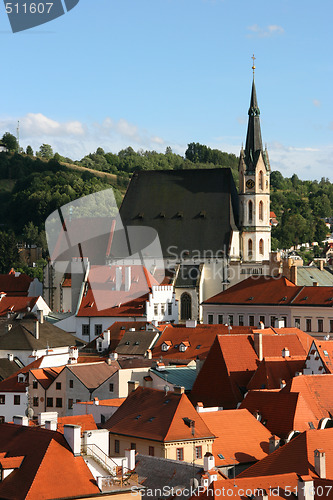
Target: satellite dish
29	413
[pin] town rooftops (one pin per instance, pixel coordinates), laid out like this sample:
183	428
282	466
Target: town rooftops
15	283
92	375
278	291
194	211
183	376
47	457
271	371
240	437
136	343
157	416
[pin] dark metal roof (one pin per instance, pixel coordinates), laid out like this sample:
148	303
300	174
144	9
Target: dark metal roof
253	146
193	211
136	343
188	276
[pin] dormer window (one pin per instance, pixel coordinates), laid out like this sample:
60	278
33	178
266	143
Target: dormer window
21	378
166	346
183	346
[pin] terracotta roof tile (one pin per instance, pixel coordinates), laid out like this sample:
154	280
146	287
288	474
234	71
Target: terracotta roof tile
271	371
86	422
15	283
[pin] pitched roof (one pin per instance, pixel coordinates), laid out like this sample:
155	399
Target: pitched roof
8	368
104	402
92	375
45	376
178	375
297	456
86	422
271	371
52	458
15	283
317	391
307	275
155	415
102	299
272	290
281	412
16	304
239	436
200	340
136	343
325	351
191	210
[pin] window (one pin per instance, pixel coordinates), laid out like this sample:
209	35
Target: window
210	319
35	401
261	180
151	451
59	402
98	329
220	319
85	329
198	452
103	419
185	306
331	325
70	404
111	387
308	325
163	309
17	400
156	309
2	399
49	402
298	322
2	419
250	211
262	319
78	400
230	319
116	446
273	319
261	211
133	446
58	386
34	384
241	320
180	453
250	248
251	320
71	384
284	318
169	309
261	246
320	325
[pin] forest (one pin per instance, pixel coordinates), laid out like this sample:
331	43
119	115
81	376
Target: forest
34	185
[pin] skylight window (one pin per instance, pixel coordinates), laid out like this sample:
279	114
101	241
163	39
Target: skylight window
198	346
221	456
166	401
137	417
311	425
151	419
326	353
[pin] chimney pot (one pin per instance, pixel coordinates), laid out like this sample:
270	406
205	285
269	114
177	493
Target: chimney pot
179	389
258	345
320	463
132	385
274	443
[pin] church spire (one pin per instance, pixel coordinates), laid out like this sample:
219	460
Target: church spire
253	145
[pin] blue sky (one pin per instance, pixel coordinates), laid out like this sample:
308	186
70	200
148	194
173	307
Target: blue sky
156	73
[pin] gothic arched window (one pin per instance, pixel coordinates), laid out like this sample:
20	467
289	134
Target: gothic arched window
250	211
261	247
185	306
250	248
261	210
261	180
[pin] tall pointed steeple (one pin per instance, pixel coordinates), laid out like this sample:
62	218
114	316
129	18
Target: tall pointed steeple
253	145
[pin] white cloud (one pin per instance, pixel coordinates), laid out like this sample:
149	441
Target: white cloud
270	30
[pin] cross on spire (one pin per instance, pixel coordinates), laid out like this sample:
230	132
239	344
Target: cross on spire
253	67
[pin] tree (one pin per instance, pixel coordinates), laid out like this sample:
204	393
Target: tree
46	151
30	233
10	142
29	151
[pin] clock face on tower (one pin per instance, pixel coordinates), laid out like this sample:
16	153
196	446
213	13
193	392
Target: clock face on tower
250	183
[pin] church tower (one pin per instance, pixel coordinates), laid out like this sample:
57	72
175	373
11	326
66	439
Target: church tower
254	190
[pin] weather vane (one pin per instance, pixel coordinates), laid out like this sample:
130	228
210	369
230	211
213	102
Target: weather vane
253	67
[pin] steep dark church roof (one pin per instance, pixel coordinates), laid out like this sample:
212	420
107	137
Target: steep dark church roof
193	211
253	146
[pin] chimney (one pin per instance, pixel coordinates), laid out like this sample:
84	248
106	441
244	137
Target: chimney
274	444
10	357
47	415
293	274
320	463
285	352
179	389
149	354
37	329
132	385
51	425
96	401
72	434
258	344
128	278
21	420
260	494
40	316
321	265
130	455
113	356
279	323
9	326
261	325
305	488
315	283
209	461
119	278
191	323
282	383
199	406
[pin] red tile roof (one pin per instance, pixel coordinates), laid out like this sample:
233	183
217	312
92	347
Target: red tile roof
16	304
50	459
92	375
45	376
239	436
271	371
100	293
325	351
15	283
269	290
104	402
281	412
86	422
297	456
154	415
